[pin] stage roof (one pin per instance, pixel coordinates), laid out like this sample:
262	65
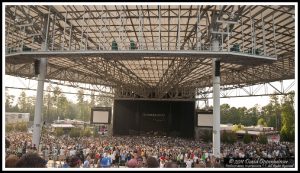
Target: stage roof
151	51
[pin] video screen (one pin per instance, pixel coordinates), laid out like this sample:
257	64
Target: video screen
101	115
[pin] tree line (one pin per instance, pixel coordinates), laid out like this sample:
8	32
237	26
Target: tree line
56	105
278	113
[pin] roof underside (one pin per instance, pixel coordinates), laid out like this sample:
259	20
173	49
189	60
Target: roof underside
150	59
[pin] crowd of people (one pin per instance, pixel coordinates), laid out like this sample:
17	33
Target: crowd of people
130	151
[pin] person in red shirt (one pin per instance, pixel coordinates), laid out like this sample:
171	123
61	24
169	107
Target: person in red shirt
97	157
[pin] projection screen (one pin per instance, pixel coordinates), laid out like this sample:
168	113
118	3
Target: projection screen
205	120
101	115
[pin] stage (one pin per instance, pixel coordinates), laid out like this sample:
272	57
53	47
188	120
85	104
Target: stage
161	118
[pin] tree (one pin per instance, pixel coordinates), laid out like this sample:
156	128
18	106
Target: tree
224	136
231	138
268	115
276	111
262	122
9	99
93	100
30	107
21	126
95	132
228	137
247	138
59	131
287	132
75	132
9	127
237	127
252	114
72	110
22	102
235	118
225	115
262	139
26	104
48	105
63	105
87	132
56	96
80	103
207	137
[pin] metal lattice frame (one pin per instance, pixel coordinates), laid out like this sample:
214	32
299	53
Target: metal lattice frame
164	51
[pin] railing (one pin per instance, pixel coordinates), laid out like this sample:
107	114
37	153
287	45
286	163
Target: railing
132	46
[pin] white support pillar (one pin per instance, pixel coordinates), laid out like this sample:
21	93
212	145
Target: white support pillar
216	102
37	126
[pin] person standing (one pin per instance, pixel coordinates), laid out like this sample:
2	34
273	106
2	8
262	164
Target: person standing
106	161
86	163
189	163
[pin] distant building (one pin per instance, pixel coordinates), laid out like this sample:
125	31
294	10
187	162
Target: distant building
254	132
14	117
66	127
68	121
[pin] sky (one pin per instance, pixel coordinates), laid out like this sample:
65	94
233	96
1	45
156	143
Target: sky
248	102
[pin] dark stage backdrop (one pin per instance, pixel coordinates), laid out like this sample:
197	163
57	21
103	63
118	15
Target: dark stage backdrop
171	118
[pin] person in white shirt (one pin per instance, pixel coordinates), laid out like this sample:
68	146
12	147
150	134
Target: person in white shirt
72	152
195	158
189	163
162	163
84	152
61	155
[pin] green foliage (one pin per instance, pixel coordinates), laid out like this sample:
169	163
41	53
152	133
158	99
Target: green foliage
58	131
95	133
25	104
228	137
262	122
237	127
275	114
83	107
22	101
44	130
87	132
287	132
9	99
20	126
9	127
56	104
207	137
75	132
262	139
247	138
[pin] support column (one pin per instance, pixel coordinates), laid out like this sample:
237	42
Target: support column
37	126
39	103
216	102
